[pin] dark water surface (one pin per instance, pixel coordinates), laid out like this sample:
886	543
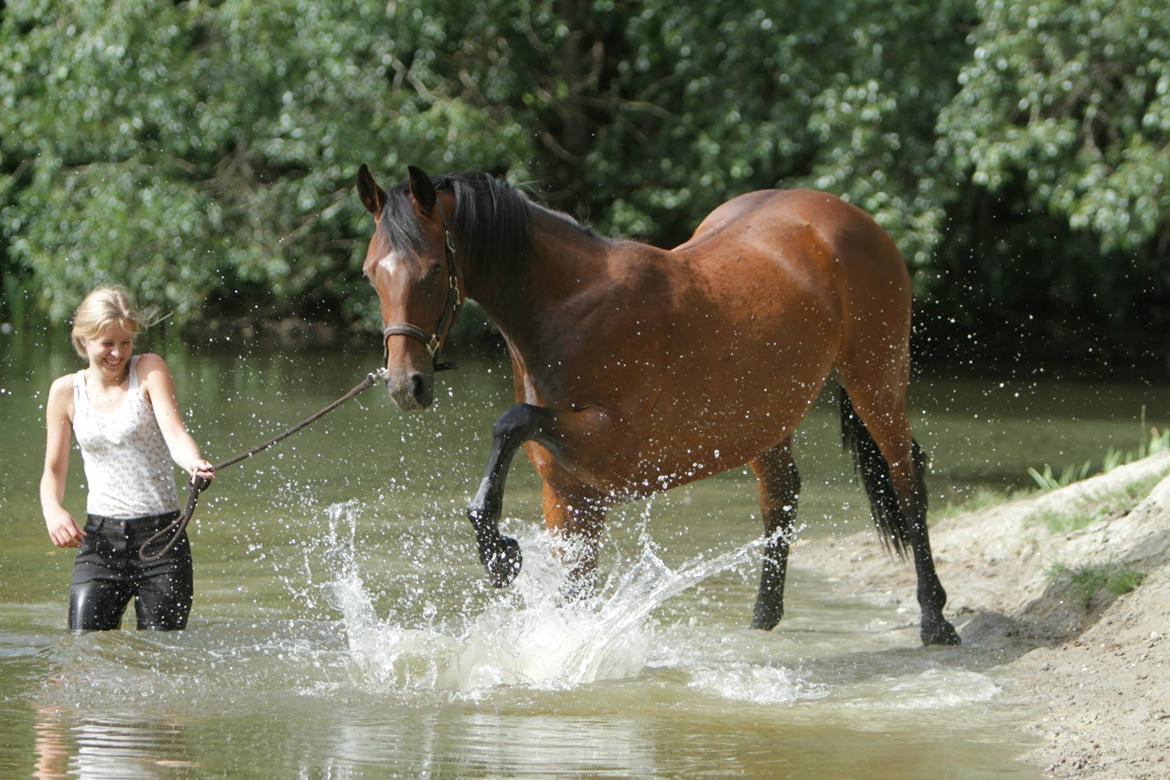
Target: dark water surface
342	626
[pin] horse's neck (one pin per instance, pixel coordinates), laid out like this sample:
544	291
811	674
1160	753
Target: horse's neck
563	260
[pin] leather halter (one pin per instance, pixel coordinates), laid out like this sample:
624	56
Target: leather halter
434	341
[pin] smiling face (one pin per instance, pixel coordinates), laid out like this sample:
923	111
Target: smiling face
405	263
109	352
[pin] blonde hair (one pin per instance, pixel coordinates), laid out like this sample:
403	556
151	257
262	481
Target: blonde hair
102	308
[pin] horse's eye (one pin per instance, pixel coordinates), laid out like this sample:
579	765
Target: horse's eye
433	271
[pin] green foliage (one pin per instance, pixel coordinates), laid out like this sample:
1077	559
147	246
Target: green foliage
1072	101
1152	442
1059	143
204	153
1047	480
1083	583
700	103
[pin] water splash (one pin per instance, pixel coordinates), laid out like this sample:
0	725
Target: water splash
755	684
528	636
929	689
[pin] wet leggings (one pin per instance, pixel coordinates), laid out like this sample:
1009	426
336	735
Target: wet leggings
108	573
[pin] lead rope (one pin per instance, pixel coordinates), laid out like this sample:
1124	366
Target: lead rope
198	484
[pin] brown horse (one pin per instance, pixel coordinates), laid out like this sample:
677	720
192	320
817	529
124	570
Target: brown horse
637	369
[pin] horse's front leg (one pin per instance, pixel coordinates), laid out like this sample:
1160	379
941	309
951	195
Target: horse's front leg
500	554
558	431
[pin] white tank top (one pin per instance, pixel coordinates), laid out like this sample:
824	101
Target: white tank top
127	464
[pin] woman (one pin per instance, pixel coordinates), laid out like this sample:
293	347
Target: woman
122	410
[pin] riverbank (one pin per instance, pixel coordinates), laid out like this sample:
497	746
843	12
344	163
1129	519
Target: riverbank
1064	599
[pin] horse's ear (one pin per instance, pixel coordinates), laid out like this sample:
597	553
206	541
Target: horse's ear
373	197
422	190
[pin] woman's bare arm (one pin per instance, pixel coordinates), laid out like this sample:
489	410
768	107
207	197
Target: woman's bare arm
63	529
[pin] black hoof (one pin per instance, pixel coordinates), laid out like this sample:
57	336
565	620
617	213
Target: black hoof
940	633
765	618
763	625
502	559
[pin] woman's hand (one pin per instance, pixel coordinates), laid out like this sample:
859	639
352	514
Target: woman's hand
63	529
201	469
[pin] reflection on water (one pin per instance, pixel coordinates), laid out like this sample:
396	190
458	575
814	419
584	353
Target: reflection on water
52	753
106	747
343	626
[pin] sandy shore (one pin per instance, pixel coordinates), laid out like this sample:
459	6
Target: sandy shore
1094	665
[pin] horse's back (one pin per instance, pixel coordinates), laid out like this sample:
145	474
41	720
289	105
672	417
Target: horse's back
765	213
814	239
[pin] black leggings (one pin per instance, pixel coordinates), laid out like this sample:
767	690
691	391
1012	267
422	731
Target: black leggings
108	573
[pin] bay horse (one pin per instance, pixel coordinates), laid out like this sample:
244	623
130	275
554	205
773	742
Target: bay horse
637	369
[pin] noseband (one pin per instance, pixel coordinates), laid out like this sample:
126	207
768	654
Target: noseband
434	342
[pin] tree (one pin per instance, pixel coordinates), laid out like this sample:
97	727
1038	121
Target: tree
1060	141
1073	101
1016	151
206	153
650	114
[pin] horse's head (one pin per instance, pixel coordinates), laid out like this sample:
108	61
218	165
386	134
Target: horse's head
411	265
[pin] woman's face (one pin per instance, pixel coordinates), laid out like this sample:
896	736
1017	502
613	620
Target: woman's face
110	350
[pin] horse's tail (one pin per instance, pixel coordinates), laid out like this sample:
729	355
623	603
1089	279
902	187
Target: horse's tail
891	521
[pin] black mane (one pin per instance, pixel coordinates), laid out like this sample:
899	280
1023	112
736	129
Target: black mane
492	217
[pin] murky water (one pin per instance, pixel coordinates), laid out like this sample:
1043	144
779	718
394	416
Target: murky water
343	627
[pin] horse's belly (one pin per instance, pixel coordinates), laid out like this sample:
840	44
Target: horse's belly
665	449
721	439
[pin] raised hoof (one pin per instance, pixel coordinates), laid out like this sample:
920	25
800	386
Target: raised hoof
502	561
940	633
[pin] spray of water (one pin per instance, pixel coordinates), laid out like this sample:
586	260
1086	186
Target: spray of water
528	636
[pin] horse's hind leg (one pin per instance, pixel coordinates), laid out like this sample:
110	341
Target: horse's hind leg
579	515
779	492
892	468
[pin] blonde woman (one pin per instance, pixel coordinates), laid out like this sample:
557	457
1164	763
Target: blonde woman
122	410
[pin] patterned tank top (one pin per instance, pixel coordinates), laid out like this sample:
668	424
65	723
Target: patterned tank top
127	465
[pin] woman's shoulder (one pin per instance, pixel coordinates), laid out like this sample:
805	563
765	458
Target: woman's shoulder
149	363
63	385
61	393
153	374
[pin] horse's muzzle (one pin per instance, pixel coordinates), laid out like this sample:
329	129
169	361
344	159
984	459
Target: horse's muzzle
412	392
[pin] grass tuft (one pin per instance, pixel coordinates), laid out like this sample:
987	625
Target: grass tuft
1083	583
1152	441
1048	480
1116	503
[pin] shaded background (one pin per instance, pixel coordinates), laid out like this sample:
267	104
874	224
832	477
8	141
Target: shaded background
203	153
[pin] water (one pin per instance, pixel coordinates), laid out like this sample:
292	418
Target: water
343	627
